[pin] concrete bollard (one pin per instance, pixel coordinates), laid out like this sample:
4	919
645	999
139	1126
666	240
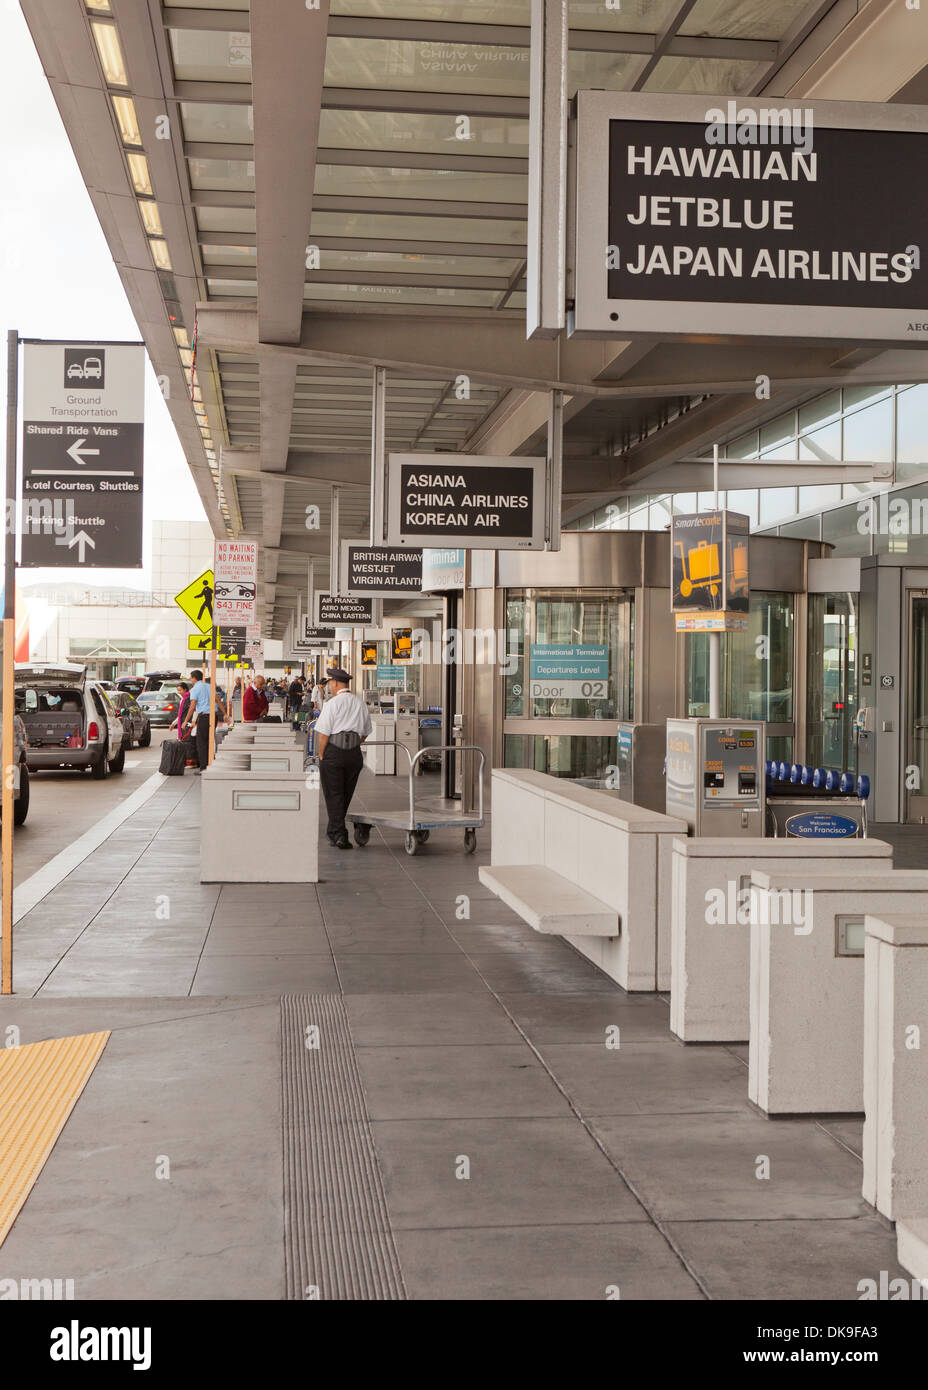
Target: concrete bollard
710	929
896	1070
807	983
258	827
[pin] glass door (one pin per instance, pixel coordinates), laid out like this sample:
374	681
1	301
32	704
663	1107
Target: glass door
917	721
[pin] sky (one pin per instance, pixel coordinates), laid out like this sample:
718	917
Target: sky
58	280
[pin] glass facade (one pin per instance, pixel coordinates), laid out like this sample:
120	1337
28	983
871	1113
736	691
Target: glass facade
757	665
857	424
831	689
571	654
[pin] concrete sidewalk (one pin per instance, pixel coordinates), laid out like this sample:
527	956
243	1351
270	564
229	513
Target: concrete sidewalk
386	1085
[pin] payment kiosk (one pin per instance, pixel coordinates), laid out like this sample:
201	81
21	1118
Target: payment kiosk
715	777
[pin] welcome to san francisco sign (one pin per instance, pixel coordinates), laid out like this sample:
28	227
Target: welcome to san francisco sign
714	216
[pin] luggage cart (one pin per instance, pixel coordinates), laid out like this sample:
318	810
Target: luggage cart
429	813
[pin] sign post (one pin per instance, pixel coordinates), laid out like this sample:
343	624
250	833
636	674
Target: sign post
9	643
83	443
212	702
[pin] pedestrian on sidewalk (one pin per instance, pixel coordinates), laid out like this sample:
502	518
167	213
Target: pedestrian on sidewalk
294	699
341	728
198	717
183	690
254	703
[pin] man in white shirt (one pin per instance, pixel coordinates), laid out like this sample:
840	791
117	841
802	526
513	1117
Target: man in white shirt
340	730
318	695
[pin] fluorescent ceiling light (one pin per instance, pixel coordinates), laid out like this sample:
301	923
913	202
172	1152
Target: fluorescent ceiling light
160	254
186	356
110	51
151	216
138	172
181	339
127	120
99	5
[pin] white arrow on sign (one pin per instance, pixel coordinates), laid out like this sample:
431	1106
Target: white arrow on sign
81	540
77	451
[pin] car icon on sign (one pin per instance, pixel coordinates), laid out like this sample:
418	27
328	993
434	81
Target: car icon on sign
75	370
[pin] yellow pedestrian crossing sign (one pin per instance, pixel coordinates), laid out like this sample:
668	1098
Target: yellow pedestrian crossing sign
203	642
197	601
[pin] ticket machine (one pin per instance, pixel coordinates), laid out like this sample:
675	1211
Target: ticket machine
715	777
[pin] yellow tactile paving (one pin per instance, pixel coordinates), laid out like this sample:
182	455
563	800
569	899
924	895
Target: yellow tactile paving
39	1087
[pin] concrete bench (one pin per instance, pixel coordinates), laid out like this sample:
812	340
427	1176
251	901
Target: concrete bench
710	909
258	827
807	984
610	863
549	902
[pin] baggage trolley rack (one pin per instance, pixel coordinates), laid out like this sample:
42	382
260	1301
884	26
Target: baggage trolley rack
418	822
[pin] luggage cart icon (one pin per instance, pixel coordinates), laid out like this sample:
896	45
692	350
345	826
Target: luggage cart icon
701	568
738	568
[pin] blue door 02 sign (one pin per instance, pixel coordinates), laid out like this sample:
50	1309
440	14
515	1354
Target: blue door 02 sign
568	671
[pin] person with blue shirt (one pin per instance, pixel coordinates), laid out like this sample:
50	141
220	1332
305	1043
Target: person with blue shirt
198	715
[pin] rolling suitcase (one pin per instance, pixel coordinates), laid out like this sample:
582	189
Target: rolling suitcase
173	758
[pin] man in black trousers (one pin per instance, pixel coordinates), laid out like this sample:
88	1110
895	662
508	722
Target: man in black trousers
341	728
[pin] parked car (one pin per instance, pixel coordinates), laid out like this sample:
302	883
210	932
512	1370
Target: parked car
135	719
150	680
162	706
132	685
69	721
20	772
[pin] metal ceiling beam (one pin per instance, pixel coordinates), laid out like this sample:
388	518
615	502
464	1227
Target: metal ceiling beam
481	35
590	477
663	41
288	57
442	346
373	207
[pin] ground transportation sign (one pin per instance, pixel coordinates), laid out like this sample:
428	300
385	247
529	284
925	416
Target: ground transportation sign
710	575
568	671
82	456
745	217
380	570
197	601
236	568
345	609
479	502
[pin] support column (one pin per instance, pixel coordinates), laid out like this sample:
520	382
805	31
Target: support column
555	470
378	456
9	645
546	277
334	578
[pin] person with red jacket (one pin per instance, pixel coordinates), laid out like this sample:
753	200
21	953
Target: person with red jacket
254	703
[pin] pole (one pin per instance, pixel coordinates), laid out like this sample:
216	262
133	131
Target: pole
9	644
378	459
212	700
334	586
715	638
